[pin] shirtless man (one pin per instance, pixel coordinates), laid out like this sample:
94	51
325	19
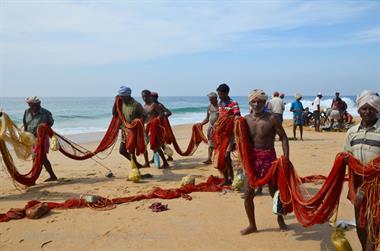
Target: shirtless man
152	109
263	128
145	95
211	117
164	112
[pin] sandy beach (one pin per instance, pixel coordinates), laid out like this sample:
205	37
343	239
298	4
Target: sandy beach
210	221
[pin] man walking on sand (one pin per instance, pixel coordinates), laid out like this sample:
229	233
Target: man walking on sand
263	128
131	110
34	116
211	117
317	111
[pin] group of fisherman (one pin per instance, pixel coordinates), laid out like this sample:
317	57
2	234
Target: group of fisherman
362	140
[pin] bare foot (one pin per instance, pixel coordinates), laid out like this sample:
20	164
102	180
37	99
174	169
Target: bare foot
250	229
283	226
51	179
145	165
227	183
207	162
165	165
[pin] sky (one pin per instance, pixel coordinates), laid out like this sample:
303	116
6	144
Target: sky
187	48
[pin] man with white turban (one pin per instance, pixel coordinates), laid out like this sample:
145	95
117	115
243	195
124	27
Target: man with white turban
130	109
263	127
33	117
211	117
363	142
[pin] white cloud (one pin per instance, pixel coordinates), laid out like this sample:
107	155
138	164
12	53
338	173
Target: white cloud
100	33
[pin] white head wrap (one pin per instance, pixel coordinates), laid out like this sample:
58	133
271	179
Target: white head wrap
298	96
368	97
212	95
33	100
260	94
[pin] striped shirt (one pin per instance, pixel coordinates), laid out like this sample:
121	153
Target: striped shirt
363	143
229	108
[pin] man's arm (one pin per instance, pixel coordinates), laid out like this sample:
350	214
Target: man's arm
50	119
114	110
24	122
236	109
141	111
165	110
206	120
284	138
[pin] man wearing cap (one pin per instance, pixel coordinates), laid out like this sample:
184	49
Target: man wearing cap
227	108
297	109
263	128
363	142
276	106
131	110
317	111
34	116
211	117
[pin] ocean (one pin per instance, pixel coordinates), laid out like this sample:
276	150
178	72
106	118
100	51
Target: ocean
75	115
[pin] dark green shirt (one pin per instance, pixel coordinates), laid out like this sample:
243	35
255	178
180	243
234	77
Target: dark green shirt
32	121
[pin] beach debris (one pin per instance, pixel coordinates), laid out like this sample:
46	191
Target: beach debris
109	174
146	176
158	207
344	224
189	179
45	243
89	198
37	211
238	182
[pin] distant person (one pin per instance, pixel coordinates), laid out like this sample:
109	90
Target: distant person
34	116
297	109
282	96
363	142
227	108
276	106
131	110
307	116
262	130
317	111
211	117
338	107
347	118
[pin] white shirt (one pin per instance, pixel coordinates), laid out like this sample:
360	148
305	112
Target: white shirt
276	105
316	102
